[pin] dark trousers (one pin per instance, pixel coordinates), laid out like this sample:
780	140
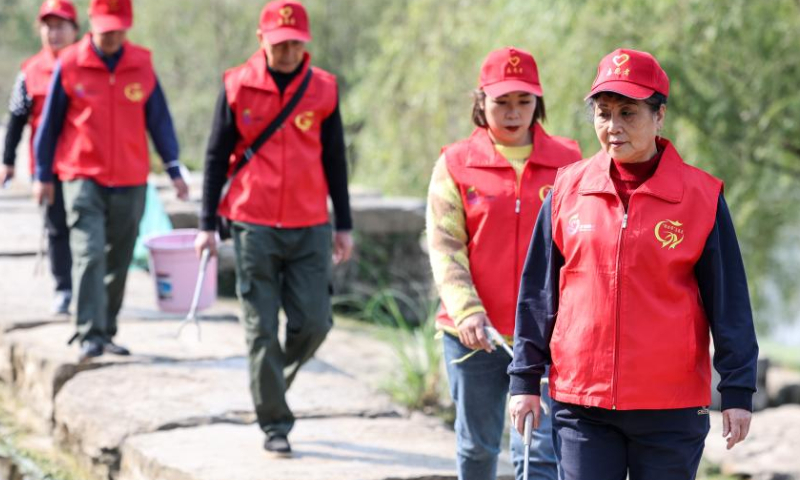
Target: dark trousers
276	268
599	444
59	253
104	224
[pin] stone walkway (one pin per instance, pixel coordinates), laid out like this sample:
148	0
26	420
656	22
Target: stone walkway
180	408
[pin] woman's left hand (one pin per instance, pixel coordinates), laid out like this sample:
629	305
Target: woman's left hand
735	425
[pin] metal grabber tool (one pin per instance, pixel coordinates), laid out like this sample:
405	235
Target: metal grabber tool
498	339
526	441
191	317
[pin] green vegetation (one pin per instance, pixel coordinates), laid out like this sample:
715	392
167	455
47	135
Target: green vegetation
419	383
783	355
407	68
29	462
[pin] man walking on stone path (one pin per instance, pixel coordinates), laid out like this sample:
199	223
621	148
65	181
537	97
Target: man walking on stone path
103	97
277	204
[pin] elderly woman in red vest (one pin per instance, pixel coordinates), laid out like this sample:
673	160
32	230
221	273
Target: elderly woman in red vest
633	261
58	28
484	196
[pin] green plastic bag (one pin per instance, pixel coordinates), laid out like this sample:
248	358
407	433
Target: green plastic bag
154	221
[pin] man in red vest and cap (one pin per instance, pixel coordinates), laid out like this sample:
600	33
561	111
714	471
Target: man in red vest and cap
104	96
58	28
277	204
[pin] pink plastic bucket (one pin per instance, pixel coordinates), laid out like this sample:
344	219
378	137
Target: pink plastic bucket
174	266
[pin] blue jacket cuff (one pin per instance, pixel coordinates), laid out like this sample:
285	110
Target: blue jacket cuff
174	172
737	398
527	384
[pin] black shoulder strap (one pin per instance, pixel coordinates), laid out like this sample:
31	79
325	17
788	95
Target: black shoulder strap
275	124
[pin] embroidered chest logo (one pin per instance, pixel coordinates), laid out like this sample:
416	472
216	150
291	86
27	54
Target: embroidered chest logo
669	233
574	225
247	116
544	191
304	121
134	92
619	61
286	16
80	91
514	66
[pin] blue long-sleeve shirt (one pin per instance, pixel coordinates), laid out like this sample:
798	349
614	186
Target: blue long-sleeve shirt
157	118
723	288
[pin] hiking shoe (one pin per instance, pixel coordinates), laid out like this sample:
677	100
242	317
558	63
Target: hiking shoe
113	348
278	445
61	302
90	349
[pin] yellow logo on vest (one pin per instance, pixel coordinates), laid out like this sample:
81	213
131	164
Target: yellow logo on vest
286	16
669	233
304	121
544	191
134	92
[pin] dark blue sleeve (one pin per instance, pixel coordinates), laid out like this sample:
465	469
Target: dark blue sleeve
162	131
537	307
723	288
46	140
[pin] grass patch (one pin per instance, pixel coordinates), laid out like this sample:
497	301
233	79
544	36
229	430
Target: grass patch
30	463
420	381
709	471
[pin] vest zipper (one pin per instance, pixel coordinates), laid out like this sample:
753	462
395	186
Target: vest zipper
112	81
279	224
619	299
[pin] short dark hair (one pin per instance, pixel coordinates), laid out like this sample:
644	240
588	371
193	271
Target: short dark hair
654	101
479	116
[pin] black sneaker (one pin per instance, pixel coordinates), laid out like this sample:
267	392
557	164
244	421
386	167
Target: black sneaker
113	348
278	445
90	349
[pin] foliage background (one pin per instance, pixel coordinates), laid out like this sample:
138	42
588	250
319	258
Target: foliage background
407	68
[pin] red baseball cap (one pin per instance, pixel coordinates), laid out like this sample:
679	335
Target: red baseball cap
509	70
631	73
284	20
110	15
58	8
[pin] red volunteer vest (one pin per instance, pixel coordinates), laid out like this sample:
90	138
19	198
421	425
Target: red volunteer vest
500	213
38	70
284	184
631	332
104	135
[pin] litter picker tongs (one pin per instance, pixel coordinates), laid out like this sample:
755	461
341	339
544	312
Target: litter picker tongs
191	317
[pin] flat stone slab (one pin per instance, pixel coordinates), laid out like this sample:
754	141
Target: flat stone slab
359	353
26	299
325	449
770	451
41	361
23	224
97	410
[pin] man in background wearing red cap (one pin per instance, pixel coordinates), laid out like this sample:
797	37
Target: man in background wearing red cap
103	98
278	206
58	28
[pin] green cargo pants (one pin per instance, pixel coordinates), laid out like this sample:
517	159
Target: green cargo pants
276	268
103	225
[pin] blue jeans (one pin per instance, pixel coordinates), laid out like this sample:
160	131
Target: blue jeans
479	387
